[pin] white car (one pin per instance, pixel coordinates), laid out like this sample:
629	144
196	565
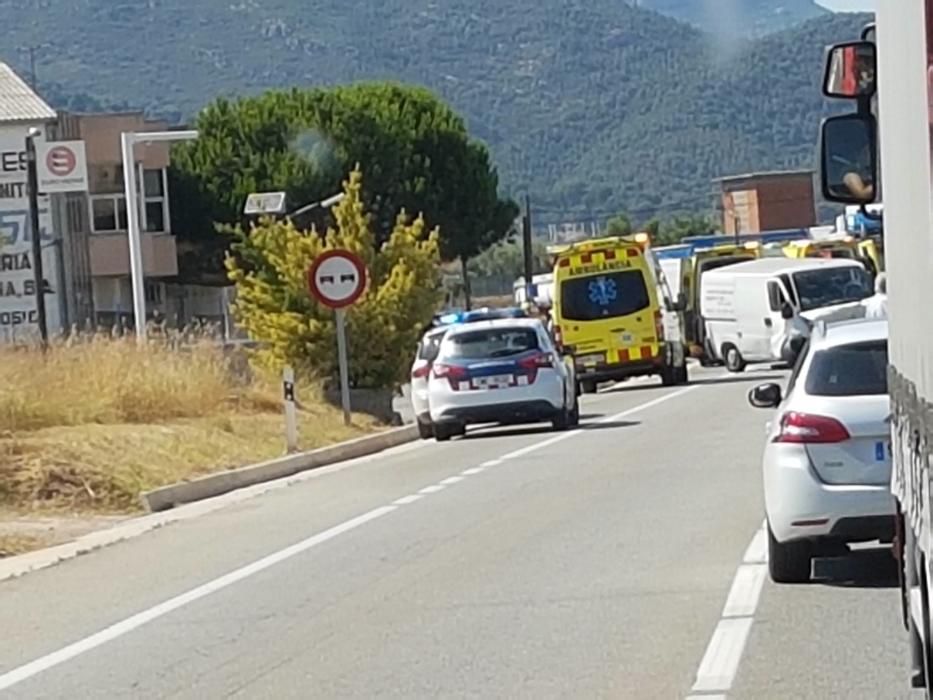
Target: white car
420	370
504	371
827	462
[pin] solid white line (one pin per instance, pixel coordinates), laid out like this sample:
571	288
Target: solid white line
746	589
706	697
22	673
492	463
451	480
609	419
721	661
757	552
406	500
473	470
108	634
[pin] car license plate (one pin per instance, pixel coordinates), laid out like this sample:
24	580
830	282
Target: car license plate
883	451
590	360
498	382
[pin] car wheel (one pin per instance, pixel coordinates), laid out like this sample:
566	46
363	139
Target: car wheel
575	414
443	432
425	430
734	360
588	386
683	376
789	562
562	420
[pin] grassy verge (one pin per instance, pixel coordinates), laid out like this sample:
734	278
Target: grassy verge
92	423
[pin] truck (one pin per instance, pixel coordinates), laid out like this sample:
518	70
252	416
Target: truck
880	151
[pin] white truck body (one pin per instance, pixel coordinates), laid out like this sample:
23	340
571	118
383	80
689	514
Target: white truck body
904	108
741	304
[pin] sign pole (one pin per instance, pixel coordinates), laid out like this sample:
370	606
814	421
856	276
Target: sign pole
36	238
342	361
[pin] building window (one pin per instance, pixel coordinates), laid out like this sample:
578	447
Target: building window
108	213
154	187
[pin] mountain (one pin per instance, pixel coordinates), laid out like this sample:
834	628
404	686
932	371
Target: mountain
592	106
722	17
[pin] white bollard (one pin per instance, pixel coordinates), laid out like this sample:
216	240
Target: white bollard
291	415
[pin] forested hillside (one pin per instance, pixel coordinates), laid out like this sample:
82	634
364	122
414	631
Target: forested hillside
592	106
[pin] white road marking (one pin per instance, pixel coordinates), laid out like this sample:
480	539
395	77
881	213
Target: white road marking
22	673
473	470
451	480
757	552
491	463
108	634
721	661
609	419
745	591
724	652
405	500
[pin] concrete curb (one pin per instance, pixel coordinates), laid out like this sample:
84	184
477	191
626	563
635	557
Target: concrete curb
23	564
212	485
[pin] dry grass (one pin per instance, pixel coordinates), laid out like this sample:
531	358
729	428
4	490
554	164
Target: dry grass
89	425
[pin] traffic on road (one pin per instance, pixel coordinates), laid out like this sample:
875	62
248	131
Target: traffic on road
697	471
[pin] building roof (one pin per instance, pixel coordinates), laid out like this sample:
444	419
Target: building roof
18	102
764	175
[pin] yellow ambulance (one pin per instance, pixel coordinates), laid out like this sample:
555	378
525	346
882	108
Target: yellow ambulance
609	312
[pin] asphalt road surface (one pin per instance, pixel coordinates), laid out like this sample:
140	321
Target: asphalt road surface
623	560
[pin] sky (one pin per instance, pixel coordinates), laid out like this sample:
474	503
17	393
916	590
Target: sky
848	5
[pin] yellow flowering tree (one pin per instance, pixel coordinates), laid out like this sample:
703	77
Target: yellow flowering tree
269	267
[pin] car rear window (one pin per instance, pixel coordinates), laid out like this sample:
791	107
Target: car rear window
428	347
859	369
490	343
603	296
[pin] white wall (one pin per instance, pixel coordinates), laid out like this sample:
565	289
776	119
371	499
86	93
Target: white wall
17	305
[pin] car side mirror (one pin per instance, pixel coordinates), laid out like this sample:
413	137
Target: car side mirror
765	396
851	70
849	159
787	312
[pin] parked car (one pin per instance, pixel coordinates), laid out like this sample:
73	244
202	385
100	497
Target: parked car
827	462
501	371
420	371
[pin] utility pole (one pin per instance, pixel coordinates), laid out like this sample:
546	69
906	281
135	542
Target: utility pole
36	236
527	250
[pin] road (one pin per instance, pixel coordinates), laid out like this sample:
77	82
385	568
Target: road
513	563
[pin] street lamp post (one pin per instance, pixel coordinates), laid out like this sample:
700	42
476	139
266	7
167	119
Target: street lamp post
128	141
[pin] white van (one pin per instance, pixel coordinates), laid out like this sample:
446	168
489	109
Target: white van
743	306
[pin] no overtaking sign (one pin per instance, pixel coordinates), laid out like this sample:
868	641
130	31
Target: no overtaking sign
337	279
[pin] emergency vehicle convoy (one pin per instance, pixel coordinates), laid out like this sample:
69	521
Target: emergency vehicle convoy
888	131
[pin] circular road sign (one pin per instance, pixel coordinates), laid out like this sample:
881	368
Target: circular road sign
61	161
337	278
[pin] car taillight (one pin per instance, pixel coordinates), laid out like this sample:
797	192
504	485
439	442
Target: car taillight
451	373
421	372
805	428
658	324
532	364
558	336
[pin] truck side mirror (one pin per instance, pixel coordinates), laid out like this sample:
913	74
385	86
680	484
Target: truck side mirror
849	159
787	311
851	70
